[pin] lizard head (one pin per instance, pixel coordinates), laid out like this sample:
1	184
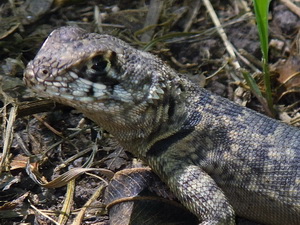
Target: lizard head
101	76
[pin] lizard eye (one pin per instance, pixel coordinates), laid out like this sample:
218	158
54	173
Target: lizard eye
100	65
99	70
95	69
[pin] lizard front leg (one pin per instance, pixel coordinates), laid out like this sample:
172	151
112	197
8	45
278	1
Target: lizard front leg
197	191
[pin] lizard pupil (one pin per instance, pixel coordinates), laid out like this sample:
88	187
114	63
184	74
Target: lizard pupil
99	65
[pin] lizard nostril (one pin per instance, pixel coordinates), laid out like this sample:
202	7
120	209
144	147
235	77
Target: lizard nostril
45	72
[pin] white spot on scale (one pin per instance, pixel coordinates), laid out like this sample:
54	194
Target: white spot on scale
53	90
39	80
78	93
235	148
58	78
56	84
86	99
138	66
73	75
90	83
99	86
70	97
274	154
290	153
98	94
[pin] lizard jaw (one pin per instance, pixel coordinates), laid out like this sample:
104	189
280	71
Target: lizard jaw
70	86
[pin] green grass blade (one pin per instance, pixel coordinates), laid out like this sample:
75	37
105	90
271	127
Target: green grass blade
261	9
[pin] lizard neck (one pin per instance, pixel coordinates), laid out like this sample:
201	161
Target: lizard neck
173	115
146	123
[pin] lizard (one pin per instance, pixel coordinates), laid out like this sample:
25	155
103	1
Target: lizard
220	159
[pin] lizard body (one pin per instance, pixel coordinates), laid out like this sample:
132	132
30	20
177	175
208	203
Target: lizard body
219	158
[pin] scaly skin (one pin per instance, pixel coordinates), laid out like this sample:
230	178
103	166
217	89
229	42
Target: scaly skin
219	158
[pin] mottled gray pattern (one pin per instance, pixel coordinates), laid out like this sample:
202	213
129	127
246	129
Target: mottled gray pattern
219	159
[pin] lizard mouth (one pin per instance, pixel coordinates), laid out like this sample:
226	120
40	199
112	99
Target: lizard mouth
70	86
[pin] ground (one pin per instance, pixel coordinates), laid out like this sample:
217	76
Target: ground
42	140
